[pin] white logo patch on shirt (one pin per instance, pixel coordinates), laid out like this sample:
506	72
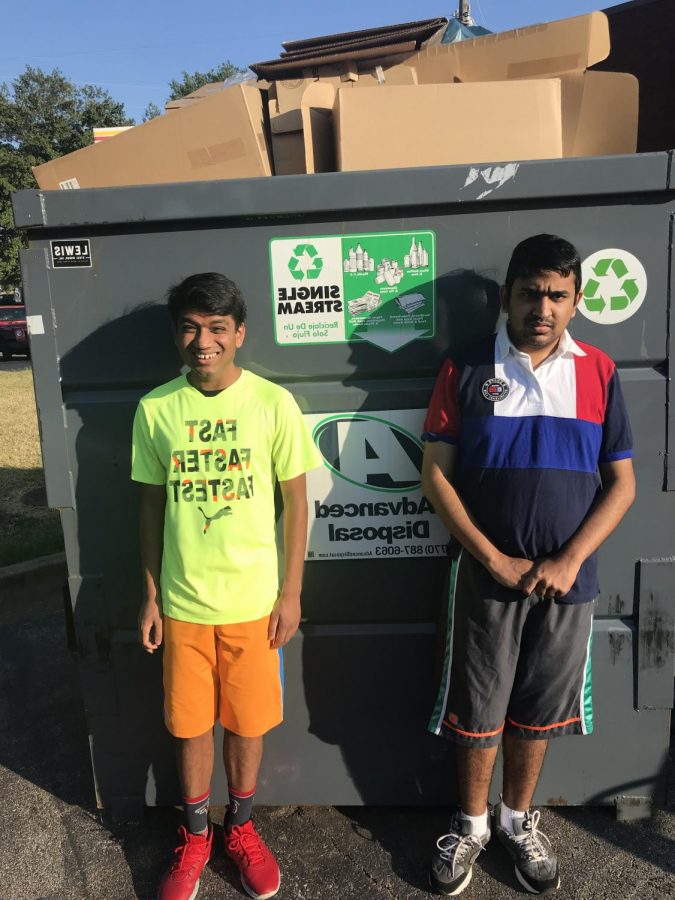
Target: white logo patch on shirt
495	389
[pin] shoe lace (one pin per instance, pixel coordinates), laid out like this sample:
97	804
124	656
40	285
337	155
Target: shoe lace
454	846
247	842
187	854
532	841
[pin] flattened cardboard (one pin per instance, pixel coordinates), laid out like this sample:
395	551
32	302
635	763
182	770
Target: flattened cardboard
219	137
567	45
448	124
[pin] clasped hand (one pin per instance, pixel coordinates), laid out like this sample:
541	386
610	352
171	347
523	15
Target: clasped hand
551	578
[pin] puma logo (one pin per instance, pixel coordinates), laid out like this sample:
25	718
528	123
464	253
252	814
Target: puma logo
225	511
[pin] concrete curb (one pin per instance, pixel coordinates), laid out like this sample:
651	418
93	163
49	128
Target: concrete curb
43	573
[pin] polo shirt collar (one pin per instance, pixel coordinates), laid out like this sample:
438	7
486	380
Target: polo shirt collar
504	346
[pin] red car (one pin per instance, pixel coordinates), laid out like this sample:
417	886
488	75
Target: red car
13	331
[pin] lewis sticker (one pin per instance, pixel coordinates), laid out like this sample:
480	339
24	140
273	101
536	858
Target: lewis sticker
71	254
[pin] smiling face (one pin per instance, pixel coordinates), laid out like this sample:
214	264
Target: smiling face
207	345
539	310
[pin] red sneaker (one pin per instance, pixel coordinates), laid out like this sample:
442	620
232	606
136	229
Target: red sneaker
181	879
257	867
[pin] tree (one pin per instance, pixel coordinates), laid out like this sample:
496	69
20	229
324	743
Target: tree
151	112
43	115
192	82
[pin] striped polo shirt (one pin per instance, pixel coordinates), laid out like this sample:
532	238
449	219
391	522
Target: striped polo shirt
529	442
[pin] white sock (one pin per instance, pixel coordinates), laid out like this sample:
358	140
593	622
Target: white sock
479	824
507	815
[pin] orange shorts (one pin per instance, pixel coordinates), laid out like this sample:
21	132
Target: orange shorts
225	672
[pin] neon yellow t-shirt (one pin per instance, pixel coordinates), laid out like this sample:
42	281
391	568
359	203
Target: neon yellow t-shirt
219	457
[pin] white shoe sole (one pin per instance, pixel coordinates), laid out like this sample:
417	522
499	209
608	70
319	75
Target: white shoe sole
530	889
194	893
458	889
259	896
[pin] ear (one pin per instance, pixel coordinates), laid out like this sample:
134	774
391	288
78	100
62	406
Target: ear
577	301
240	335
503	298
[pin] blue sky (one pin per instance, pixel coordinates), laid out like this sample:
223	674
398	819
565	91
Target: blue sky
134	49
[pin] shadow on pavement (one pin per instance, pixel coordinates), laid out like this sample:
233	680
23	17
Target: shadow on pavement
43	736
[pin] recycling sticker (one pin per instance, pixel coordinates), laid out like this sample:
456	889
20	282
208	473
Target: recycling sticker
305	262
375	288
614	284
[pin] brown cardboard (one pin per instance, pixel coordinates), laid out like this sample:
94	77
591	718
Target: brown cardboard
302	139
567	45
446	124
207	89
599	113
204	91
221	136
391	70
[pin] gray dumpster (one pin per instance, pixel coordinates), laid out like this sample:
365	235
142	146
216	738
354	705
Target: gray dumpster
356	284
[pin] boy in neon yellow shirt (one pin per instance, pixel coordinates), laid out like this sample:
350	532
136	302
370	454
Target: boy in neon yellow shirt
208	448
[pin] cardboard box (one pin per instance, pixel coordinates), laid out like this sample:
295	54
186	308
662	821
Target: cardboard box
221	136
599	113
447	124
568	45
302	139
389	71
212	87
204	91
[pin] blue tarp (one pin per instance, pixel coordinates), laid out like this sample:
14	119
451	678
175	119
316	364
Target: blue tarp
456	31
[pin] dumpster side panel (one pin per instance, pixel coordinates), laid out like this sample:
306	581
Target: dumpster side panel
359	678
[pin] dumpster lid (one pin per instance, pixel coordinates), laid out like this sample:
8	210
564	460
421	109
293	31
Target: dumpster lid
339	192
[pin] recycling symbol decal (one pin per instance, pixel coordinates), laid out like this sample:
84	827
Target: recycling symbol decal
614	285
305	262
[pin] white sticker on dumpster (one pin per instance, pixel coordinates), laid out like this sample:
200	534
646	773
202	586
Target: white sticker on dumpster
378	288
366	500
614	283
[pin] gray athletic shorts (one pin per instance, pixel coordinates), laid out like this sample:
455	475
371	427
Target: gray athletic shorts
523	664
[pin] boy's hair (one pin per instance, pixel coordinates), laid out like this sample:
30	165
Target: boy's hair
544	253
207	292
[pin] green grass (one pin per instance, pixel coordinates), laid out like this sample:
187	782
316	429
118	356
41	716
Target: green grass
27	528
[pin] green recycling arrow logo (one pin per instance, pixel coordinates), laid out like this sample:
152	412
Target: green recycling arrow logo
305	262
614	284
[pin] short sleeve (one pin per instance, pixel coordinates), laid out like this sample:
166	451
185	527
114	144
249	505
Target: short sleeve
617	438
443	420
146	466
293	450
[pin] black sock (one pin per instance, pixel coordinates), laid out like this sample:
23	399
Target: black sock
197	813
239	810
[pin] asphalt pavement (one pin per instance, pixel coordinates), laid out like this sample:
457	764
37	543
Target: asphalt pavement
55	845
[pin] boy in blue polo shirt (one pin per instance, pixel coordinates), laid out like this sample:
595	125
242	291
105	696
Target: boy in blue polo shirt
528	461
